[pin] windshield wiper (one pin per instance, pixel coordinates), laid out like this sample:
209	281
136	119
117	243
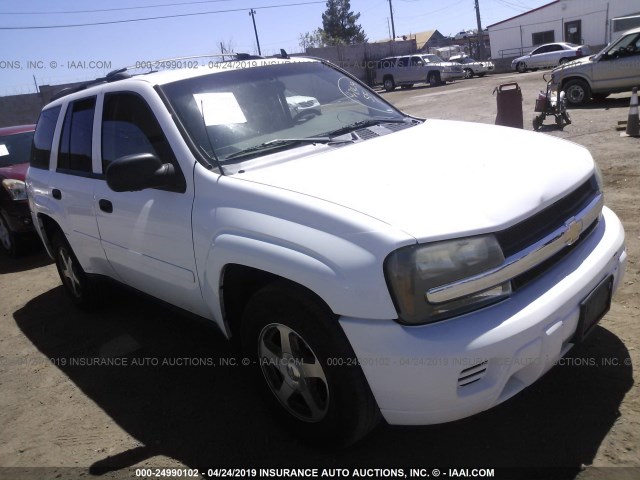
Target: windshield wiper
364	124
284	142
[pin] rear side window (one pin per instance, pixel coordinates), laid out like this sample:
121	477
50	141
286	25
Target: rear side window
129	127
74	155
43	138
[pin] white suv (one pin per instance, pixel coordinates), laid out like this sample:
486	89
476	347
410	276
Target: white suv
363	275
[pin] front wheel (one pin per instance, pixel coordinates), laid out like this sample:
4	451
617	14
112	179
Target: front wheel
433	79
389	84
468	73
577	92
7	238
305	366
521	67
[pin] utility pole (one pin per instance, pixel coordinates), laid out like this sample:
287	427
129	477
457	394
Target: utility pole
252	12
393	26
480	34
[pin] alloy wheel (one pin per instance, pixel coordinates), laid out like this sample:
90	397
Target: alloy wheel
293	372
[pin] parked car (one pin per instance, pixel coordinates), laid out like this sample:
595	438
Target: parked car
301	107
463	35
614	69
472	67
407	70
549	55
363	274
15	218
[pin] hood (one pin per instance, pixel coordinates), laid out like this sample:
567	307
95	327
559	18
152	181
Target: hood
16	172
417	181
574	63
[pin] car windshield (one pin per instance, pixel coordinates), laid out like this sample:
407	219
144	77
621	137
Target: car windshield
628	45
432	58
254	109
15	148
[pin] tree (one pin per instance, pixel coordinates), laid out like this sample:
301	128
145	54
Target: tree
339	24
313	39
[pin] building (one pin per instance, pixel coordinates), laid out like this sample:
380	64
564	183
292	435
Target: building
428	39
589	22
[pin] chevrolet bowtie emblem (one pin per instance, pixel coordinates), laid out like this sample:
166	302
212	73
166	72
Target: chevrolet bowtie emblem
572	232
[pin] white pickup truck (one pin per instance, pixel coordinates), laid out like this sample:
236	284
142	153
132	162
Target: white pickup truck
364	276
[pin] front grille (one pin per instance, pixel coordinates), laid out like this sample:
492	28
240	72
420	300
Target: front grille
520	236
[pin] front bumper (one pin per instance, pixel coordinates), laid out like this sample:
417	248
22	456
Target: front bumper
421	375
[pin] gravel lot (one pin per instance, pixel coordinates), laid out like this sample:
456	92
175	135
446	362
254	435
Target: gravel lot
90	419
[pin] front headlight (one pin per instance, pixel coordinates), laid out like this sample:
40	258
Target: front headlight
15	188
412	271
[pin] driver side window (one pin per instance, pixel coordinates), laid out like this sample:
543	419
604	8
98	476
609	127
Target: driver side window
130	127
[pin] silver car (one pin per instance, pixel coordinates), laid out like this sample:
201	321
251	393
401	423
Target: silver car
406	70
615	69
549	55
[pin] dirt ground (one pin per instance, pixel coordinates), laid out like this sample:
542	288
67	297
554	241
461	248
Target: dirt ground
64	417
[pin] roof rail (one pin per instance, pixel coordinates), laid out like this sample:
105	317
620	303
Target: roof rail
123	73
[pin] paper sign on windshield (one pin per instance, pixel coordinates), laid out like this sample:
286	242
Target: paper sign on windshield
3	150
219	108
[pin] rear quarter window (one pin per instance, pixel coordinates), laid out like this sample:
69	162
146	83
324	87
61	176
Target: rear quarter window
43	138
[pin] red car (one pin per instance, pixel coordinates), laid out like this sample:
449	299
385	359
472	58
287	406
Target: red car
15	218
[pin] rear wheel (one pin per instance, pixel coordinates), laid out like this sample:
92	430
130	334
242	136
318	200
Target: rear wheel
389	84
304	365
82	289
577	92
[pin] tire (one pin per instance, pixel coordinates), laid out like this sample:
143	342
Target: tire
8	243
434	79
559	121
389	84
82	290
521	67
295	342
468	73
537	123
577	92
564	60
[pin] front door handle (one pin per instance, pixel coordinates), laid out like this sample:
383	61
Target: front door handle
57	194
105	205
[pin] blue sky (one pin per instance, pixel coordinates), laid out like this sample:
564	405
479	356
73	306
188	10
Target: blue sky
60	55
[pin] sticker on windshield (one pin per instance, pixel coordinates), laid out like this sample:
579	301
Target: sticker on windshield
355	92
219	108
3	150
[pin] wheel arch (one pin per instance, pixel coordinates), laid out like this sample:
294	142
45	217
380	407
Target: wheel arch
47	227
240	262
575	76
238	284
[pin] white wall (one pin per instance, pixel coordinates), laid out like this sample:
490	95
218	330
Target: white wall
507	38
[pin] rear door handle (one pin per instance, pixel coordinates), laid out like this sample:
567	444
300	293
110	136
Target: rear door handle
105	205
57	194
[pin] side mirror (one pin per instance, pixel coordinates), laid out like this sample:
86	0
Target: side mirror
136	172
